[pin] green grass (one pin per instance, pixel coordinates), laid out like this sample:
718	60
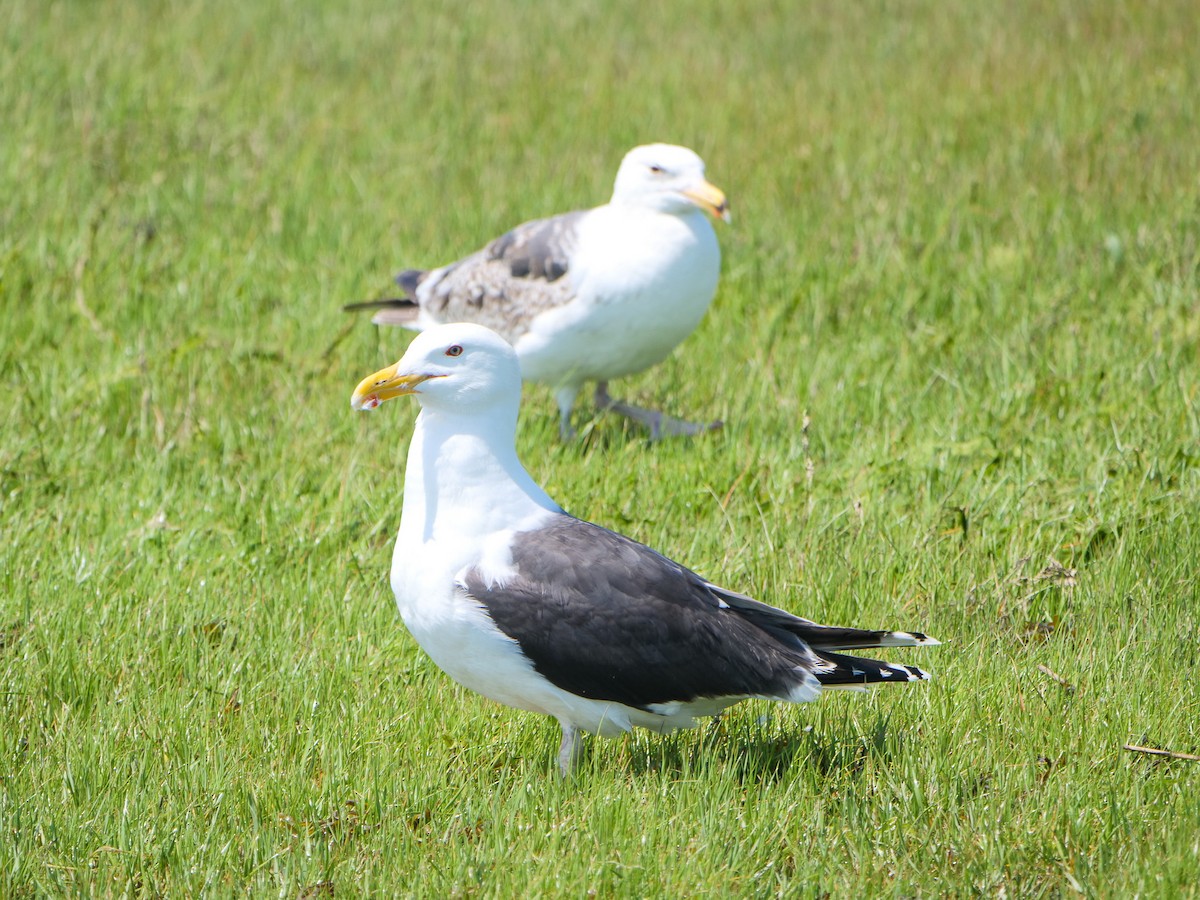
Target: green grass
966	243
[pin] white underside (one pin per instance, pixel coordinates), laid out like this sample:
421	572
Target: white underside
642	282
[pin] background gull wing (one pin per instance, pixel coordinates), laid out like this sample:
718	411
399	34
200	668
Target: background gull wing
504	286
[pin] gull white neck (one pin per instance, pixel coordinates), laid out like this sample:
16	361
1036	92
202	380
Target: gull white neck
463	478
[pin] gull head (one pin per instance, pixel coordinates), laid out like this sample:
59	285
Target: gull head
668	179
459	368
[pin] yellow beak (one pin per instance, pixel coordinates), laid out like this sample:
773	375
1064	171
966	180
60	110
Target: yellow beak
711	198
384	385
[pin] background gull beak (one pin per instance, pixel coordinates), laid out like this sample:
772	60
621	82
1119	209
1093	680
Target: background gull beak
710	198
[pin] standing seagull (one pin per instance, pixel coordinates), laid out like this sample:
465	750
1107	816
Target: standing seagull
535	609
589	295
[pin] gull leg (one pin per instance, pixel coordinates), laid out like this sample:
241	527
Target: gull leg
565	396
660	424
569	751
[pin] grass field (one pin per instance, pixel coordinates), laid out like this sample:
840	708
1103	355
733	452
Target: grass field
966	244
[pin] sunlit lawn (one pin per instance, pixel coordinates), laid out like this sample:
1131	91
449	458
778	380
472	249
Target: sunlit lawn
965	246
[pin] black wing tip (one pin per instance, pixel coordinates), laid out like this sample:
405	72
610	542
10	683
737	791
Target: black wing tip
839	670
381	303
908	639
409	280
914	673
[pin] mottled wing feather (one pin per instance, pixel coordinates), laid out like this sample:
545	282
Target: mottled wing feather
607	618
506	284
540	249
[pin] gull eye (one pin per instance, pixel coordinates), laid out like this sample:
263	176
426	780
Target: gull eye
455	350
657	170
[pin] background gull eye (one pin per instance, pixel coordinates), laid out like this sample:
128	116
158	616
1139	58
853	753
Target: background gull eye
455	350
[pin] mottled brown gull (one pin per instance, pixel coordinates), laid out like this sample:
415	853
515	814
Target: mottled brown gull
592	295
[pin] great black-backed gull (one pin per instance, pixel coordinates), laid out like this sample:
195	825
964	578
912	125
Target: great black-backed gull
589	295
516	599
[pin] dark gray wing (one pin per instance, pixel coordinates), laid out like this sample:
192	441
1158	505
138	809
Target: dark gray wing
506	284
607	618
